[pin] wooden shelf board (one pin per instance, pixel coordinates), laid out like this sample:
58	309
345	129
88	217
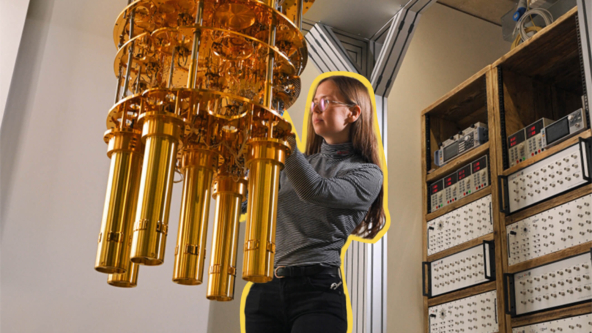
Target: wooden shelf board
570	311
458	162
551	257
551	55
549	204
464	201
468	292
548	152
463	94
460	247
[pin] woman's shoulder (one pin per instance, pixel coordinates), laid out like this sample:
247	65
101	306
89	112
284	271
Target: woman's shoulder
359	164
360	160
311	156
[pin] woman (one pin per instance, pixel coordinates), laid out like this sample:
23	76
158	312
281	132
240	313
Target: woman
332	191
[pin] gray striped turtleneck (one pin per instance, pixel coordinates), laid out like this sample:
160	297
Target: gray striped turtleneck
322	198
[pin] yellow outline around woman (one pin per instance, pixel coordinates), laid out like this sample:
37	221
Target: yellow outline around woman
351	238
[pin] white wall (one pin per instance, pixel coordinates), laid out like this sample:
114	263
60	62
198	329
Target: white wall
54	173
447	48
12	21
54	176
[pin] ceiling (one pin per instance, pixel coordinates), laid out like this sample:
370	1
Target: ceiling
488	10
364	17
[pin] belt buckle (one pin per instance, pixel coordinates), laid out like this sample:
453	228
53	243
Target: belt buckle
275	272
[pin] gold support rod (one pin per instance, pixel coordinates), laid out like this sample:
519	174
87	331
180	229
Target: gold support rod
172	70
130	55
118	89
191	82
268	96
299	14
138	80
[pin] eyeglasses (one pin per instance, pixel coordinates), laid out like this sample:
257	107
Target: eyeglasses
325	102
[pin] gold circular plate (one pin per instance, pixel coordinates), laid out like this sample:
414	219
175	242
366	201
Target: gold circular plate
252	18
242	77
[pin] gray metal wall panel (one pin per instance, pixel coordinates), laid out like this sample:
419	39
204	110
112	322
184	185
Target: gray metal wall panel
396	44
336	46
333	56
317	60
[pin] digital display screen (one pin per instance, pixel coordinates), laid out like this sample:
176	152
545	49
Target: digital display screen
464	172
479	164
557	130
450	180
534	129
516	138
450	151
437	186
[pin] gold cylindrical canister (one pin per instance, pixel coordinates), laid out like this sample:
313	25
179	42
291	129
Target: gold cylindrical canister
128	279
126	151
228	194
265	161
161	135
198	166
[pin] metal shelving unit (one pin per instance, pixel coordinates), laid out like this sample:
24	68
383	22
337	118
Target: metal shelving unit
540	78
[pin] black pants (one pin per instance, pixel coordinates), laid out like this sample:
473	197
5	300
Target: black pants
305	304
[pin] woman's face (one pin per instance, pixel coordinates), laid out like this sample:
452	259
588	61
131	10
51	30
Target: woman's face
333	123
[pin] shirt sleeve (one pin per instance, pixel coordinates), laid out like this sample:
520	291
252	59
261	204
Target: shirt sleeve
356	189
245	203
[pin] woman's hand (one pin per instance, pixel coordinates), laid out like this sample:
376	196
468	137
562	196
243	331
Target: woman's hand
291	138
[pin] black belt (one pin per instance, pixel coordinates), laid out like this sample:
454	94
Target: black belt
292	271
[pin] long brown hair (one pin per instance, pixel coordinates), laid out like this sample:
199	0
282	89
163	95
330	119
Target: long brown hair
364	143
